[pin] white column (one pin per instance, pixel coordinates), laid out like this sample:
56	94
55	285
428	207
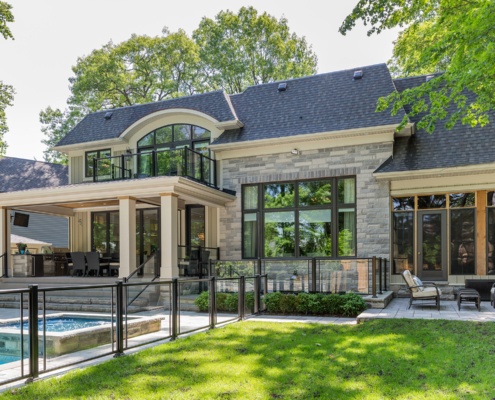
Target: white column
169	233
127	231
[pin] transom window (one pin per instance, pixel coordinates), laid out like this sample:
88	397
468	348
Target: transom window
300	219
177	136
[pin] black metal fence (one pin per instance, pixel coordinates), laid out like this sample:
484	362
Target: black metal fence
363	276
107	324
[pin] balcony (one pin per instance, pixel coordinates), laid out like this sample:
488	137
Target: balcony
168	162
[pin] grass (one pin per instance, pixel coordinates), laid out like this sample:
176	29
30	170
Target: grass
381	359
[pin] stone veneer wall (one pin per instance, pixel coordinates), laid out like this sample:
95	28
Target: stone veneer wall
372	208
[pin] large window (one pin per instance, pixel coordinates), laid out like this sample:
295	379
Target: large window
314	218
104	168
105	232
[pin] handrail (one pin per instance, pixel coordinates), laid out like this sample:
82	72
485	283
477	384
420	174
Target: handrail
141	268
190	163
5	266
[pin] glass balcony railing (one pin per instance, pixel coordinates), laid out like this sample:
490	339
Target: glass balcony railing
169	162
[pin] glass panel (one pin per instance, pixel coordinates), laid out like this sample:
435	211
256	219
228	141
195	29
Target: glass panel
150	233
315	233
491	199
432	242
403	203
145	164
90	156
163	165
250	197
164	134
202	148
490	241
347	232
315	193
461	200
433	201
197	226
462	239
279	234
279	195
182	133
99	232
200	133
347	191
148	140
403	242
250	236
114	235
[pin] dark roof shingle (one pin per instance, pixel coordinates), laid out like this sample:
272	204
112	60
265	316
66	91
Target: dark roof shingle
19	174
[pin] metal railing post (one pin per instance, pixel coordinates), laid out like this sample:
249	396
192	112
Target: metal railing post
33	333
242	297
385	274
313	275
175	308
213	302
120	319
258	267
380	272
373	277
257	286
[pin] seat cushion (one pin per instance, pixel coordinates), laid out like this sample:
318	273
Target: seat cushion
418	283
427	292
410	281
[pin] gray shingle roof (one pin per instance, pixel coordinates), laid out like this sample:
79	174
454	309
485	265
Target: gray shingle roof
19	174
319	103
460	146
95	127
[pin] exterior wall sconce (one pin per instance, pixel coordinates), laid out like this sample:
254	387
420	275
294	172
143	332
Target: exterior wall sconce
294	152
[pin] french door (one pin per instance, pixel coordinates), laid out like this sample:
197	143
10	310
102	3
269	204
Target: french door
432	245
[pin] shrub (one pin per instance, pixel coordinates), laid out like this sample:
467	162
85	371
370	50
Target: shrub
202	301
353	305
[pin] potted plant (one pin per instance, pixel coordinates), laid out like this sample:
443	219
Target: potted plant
21	247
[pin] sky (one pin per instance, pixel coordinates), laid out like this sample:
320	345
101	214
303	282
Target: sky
50	35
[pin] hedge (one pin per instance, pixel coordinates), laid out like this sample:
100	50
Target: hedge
348	304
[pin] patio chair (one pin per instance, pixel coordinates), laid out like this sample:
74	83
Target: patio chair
95	268
421	290
78	263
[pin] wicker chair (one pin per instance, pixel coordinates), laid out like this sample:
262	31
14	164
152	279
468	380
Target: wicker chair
421	290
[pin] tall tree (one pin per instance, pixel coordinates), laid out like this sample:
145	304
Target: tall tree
454	37
140	70
6	91
239	50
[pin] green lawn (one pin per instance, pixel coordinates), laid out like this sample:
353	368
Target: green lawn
381	359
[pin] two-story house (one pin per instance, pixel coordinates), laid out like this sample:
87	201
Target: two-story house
286	170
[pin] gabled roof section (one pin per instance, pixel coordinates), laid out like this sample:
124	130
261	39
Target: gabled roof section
95	127
321	103
458	147
19	174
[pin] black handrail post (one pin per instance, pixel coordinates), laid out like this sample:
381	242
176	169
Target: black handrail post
175	308
213	302
313	275
120	319
385	274
380	260
94	169
257	286
242	289
373	277
33	333
258	267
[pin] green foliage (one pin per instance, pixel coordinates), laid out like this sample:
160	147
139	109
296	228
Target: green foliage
455	37
5	17
6	91
348	305
247	48
227	302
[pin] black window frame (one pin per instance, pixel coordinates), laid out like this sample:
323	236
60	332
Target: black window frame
334	208
88	166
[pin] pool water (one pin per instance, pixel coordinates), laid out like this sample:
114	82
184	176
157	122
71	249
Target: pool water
8	359
61	324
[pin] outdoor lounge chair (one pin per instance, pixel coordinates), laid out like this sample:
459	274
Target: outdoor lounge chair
421	290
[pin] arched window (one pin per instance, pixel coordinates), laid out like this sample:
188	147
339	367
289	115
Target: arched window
162	151
176	137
